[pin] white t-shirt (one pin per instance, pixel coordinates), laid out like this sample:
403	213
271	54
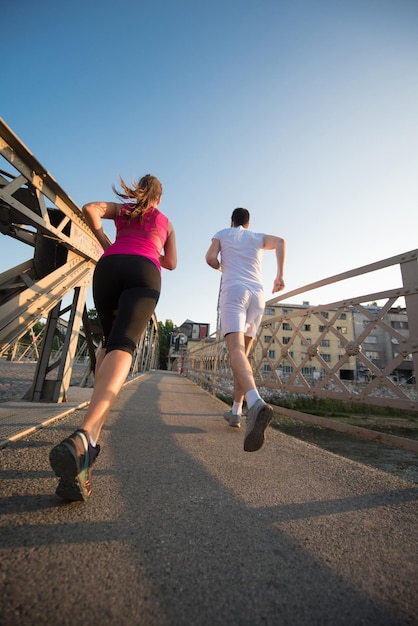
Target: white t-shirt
241	256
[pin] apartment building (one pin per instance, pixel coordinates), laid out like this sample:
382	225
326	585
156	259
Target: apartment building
301	341
383	336
182	339
314	341
306	340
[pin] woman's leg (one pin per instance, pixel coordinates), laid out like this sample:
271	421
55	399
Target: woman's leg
99	361
110	377
124	307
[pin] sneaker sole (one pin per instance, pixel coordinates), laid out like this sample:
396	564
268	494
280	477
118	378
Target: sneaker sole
71	490
63	462
256	438
64	465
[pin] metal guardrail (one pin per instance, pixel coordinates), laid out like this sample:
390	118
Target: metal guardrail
287	356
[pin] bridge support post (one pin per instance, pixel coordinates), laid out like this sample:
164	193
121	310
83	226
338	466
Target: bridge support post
409	271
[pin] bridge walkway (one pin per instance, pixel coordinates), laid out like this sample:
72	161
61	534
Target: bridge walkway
184	528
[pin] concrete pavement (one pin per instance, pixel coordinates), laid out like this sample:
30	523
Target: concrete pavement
184	528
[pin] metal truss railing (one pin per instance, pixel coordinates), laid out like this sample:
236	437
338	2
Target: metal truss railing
146	356
36	211
278	372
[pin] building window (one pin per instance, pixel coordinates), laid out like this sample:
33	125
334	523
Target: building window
286	326
325	343
321	329
266	368
342	329
399	325
285	340
343	316
267	338
271	354
408	357
325	314
269	311
371	339
287	369
326	357
306	327
372	355
287	311
307	371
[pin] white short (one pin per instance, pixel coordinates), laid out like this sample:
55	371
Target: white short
241	310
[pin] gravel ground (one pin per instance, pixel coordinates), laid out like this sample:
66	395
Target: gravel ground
16	378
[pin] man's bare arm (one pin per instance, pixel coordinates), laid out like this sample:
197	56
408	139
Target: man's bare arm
213	253
271	242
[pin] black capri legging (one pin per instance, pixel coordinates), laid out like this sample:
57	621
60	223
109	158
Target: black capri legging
126	288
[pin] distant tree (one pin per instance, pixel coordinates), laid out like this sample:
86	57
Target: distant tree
37	329
94	325
165	331
91	332
34	334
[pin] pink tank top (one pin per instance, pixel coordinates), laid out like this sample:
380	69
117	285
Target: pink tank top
145	238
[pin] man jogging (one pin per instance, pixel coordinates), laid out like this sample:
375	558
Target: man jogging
237	252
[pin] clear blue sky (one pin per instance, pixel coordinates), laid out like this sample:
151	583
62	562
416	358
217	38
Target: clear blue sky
305	112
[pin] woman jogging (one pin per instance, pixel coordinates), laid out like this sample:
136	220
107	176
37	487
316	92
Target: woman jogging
126	288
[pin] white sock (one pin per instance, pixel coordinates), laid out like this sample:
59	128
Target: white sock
237	408
92	442
251	397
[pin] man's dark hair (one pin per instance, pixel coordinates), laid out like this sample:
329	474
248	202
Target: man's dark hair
240	217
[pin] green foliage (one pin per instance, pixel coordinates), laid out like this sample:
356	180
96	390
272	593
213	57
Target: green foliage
165	331
36	330
227	398
93	317
94	325
328	407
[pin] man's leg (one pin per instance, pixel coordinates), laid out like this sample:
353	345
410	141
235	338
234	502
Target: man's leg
238	392
241	368
238	397
259	414
234	414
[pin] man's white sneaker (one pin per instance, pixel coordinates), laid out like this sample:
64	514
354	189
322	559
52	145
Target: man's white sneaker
258	418
233	419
